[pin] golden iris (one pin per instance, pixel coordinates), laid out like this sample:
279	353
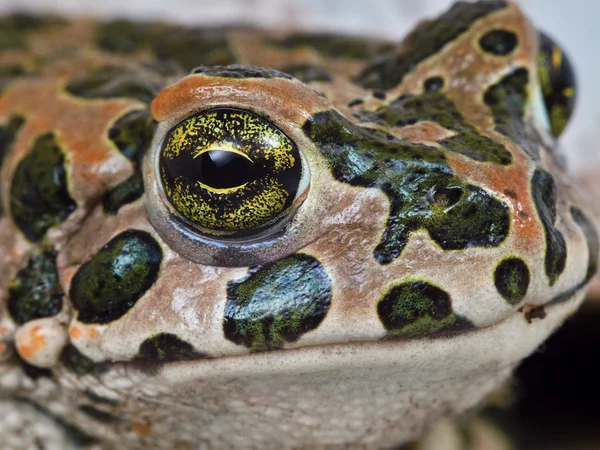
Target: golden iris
228	171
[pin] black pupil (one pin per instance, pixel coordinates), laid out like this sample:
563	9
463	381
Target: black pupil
221	169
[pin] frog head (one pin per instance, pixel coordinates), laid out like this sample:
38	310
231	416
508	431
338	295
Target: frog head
397	239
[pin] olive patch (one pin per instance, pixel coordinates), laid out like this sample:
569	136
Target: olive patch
17	28
499	42
543	189
591	238
167	347
511	278
75	361
307	73
423	191
335	46
425	40
8	133
277	303
109	285
189	47
436	107
131	134
507	100
39	196
418	308
240	71
35	292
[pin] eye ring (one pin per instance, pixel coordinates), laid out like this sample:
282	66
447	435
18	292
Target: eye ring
258	246
229	172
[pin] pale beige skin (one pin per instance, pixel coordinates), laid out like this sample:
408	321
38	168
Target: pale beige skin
337	386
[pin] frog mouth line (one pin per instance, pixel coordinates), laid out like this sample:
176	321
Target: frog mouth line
495	347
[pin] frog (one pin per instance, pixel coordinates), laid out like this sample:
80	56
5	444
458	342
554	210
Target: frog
233	237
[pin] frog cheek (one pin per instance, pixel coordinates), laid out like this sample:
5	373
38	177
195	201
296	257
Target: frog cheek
557	83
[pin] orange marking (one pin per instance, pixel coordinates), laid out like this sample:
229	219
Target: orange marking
92	333
35	342
2	347
141	427
74	332
4	330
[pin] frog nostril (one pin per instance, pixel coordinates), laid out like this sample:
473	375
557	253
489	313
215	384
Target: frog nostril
444	196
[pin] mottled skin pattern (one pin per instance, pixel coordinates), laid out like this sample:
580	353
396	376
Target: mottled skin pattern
389	233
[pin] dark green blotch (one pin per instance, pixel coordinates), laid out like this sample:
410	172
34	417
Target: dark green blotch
499	42
108	285
507	100
307	73
131	134
418	308
39	195
424	41
35	292
167	347
8	133
189	47
336	46
277	303
511	278
436	107
75	361
543	189
423	191
240	71
558	83
15	29
9	73
98	414
592	240
116	82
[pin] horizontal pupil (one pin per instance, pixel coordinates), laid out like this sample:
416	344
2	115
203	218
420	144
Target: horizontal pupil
222	169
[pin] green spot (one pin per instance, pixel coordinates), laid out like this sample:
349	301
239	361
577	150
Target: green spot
423	191
543	190
507	100
277	303
131	134
98	414
8	133
189	47
336	46
418	308
499	42
35	292
167	347
239	71
39	196
558	83
108	285
591	238
511	278
75	361
424	41
435	107
307	73
115	82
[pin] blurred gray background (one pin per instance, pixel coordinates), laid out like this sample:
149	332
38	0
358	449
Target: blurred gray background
574	23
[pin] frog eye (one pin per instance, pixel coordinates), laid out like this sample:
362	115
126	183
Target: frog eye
230	173
557	81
